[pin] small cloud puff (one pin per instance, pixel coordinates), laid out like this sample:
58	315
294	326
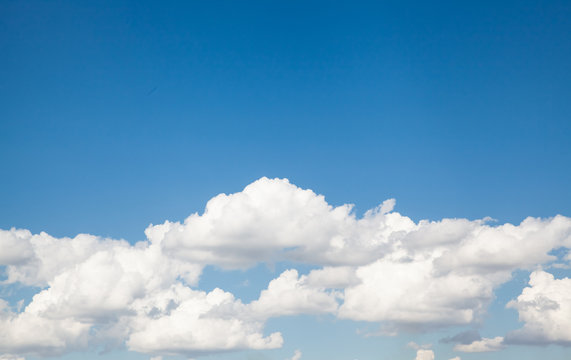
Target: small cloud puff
422	354
296	355
483	345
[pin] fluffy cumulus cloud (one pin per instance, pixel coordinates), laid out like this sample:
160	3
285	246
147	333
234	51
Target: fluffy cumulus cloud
291	294
381	267
31	333
451	266
545	309
423	354
16	247
184	321
406	293
273	220
107	289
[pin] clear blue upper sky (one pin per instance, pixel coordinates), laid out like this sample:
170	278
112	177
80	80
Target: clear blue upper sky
116	114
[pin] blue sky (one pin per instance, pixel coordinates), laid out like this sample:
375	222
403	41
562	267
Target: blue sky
117	115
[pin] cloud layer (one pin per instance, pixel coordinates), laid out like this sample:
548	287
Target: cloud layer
382	267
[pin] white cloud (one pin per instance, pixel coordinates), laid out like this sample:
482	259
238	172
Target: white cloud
28	333
11	357
382	267
43	257
507	247
456	358
333	277
192	323
423	354
545	309
273	220
16	247
105	284
429	282
291	294
408	293
296	355
121	293
452	266
483	345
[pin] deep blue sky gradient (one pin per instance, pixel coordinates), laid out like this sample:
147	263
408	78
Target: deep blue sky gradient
117	114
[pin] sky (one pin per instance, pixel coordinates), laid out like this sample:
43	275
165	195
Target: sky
276	180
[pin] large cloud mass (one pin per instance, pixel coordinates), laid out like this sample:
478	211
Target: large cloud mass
382	267
273	220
